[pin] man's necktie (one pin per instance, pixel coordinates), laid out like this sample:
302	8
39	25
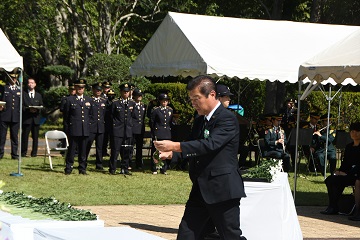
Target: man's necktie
31	95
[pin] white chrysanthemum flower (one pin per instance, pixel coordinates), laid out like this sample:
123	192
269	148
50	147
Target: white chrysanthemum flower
1	191
30	196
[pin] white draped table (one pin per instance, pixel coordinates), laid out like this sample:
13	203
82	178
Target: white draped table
268	212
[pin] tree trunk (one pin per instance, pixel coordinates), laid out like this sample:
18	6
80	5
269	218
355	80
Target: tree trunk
315	14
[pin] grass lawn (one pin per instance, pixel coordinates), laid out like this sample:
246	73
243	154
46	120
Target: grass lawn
100	188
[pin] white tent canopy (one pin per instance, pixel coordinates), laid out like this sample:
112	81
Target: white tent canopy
340	62
189	45
9	57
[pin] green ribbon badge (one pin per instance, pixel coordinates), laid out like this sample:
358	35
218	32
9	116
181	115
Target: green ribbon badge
206	133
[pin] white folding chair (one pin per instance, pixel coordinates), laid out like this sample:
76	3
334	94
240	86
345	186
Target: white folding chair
52	145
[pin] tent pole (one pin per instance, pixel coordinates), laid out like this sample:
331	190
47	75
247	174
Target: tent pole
297	138
19	174
327	130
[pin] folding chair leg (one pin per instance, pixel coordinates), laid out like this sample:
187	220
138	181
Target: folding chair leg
50	162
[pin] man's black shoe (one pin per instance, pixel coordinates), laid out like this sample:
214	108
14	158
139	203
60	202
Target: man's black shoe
83	172
15	157
67	173
125	172
112	172
243	238
100	168
330	211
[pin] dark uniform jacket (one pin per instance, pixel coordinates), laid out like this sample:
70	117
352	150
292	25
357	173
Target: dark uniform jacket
320	142
11	112
122	117
78	115
212	154
161	119
271	136
139	118
31	117
97	115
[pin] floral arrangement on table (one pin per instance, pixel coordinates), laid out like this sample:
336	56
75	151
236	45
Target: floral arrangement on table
268	170
46	206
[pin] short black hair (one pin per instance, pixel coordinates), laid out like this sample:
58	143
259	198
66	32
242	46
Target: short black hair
355	126
206	84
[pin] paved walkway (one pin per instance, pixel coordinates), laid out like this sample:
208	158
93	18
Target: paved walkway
163	221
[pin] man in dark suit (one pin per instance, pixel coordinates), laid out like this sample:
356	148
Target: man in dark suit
97	124
32	103
10	115
213	166
139	126
78	118
122	119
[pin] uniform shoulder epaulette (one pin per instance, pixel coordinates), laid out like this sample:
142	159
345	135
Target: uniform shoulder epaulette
169	107
131	100
115	100
154	108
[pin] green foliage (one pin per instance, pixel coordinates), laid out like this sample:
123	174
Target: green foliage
349	106
103	67
249	94
59	71
52	98
47	206
178	99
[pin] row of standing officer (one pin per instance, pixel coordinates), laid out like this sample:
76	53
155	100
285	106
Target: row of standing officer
10	116
87	119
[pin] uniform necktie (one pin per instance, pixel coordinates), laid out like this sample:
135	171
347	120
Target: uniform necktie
31	95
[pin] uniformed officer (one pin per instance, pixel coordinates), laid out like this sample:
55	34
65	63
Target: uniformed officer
31	118
106	85
71	92
275	142
139	126
97	124
110	96
78	118
10	115
122	119
320	145
160	124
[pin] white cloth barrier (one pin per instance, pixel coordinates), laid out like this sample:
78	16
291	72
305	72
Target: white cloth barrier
18	228
268	211
108	233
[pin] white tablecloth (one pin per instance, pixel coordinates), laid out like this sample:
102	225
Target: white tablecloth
97	233
268	212
18	228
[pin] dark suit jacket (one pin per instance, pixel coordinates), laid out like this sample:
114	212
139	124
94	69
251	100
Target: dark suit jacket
271	136
213	161
11	112
31	117
78	116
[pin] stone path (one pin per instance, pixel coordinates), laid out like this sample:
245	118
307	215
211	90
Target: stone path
163	221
